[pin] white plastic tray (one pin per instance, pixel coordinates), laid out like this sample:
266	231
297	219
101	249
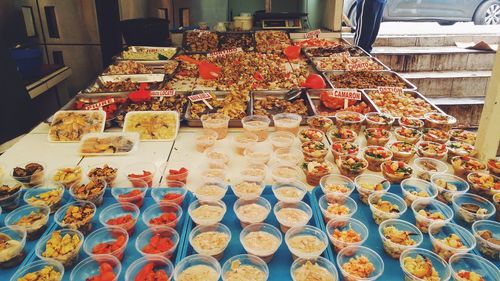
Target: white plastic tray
134	137
152	114
101	113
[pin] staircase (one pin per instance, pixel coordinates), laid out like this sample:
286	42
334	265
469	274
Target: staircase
455	79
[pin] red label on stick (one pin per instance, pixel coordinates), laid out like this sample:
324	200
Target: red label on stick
312	33
163	93
100	104
199	97
387	90
346	94
224	53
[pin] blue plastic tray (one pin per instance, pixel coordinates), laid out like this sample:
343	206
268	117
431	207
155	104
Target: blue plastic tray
130	255
279	267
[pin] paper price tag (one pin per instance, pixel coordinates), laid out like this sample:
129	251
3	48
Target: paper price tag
346	94
100	104
163	93
201	32
388	90
200	97
312	33
224	53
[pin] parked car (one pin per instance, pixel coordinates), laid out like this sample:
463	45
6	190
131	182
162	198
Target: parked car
484	12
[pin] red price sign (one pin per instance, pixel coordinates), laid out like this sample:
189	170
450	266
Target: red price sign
224	53
100	104
163	93
312	33
346	94
199	97
390	90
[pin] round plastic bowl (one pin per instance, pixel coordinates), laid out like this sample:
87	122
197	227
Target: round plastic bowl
197	260
35	180
430	206
37	266
61	213
471	262
354	252
292	172
306	231
258	155
286	224
219	228
18	254
68	259
378	215
344	224
487	248
129	195
97	199
319	261
438	264
158	210
171	184
445	194
245	260
107	235
120	210
206	221
249	219
289	156
144	238
442	230
47	187
160	263
412	187
395	249
487	209
297	187
326	200
90	267
176	194
135	172
264	254
330	180
371	180
9	203
205	197
33	231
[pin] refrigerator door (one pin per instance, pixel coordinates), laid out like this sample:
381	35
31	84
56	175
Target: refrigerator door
85	62
32	23
69	21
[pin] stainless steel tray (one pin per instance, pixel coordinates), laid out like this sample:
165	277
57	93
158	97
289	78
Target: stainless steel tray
314	99
307	53
315	62
120	56
415	94
407	84
193	122
258	95
341	41
156	66
97	84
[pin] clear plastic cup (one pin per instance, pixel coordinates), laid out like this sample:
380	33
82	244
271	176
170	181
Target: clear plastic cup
315	171
15	256
338	225
282	139
258	155
161	210
34	180
205	139
309	134
37	266
214	175
118	210
159	263
408	135
462	170
211	191
257	124
354	252
411	122
216	159
473	263
211	212
325	264
460	202
440	121
379	120
300	211
382	215
243	141
351	166
484	231
402	151
171	184
177	176
111	167
92	191
251	211
284	172
414	189
438	151
290	156
328	202
90	267
287	122
320	122
248	190
483	184
442	230
50	194
10	202
246	261
216	122
375	162
67	176
437	263
289	192
120	183
393	174
84	225
143	241
70	258
376	136
336	184
349	120
448	185
141	171
129	195
427	211
341	148
254	172
314	151
424	168
496	201
368	184
435	135
394	249
305	231
107	235
35	229
169	194
206	262
257	249
216	252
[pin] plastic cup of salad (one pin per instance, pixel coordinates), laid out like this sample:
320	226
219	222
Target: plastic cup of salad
343	134
402	151
385	206
483	184
94	266
337	206
463	165
68	259
440	121
55	267
123	215
457	148
368	184
414	189
143	171
32	219
106	240
427	211
157	241
345	232
154	263
411	260
411	122
471	266
485	231
399	235
448	239
351	166
396	171
349	120
315	171
408	135
377	136
321	123
376	155
379	120
448	185
349	258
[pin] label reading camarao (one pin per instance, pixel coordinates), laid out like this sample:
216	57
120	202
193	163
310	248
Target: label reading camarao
100	104
346	94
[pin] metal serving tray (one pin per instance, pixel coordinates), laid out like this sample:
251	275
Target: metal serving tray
314	95
187	49
138	48
309	55
250	48
156	66
340	41
316	60
408	84
192	122
98	83
259	95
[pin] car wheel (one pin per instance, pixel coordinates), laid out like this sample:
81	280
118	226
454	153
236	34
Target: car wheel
446	22
488	13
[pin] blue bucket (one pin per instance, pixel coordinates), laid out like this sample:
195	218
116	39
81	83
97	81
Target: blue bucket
28	60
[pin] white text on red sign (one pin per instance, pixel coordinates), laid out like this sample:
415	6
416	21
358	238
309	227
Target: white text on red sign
100	104
224	53
395	90
163	93
350	95
313	33
199	97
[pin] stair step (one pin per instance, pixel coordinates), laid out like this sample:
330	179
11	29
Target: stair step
450	83
429	40
440	101
468	115
409	59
